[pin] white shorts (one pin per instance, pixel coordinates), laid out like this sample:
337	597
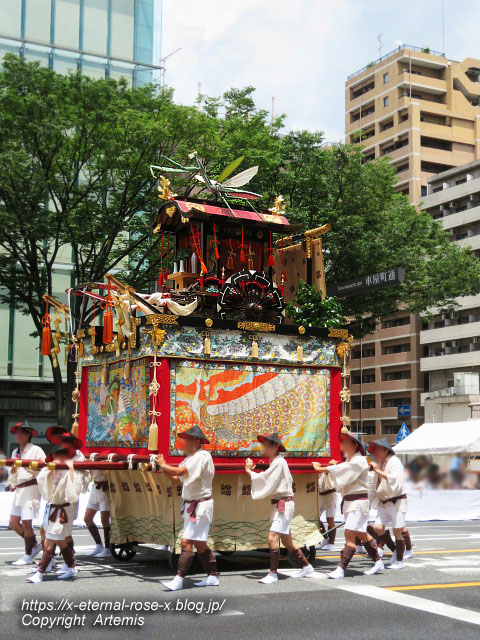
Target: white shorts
281	521
389	513
25	513
328	505
357	518
104	505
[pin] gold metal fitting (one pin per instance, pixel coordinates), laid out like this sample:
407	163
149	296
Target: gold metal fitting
17	463
208	322
33	464
51	466
301	330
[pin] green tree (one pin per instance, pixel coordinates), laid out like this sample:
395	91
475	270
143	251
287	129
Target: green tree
373	228
74	158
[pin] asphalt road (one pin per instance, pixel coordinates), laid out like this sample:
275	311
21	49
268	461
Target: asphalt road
437	595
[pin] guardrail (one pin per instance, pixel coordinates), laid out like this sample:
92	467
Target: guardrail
390	53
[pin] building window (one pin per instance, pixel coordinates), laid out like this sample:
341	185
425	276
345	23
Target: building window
423	190
390	376
385	78
395	322
394	402
396	348
385	101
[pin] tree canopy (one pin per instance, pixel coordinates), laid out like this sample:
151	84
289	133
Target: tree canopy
74	158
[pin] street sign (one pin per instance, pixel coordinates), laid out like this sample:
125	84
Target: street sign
404	410
364	284
403	432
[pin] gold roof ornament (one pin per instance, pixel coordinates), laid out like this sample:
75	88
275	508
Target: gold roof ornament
164	191
278	206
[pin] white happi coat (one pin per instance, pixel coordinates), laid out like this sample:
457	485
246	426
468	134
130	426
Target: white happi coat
197	482
275	482
26	496
325	483
351	477
392	486
56	487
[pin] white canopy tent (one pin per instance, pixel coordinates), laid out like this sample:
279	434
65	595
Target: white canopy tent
443	438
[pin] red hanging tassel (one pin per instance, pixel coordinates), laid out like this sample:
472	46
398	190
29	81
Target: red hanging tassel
242	250
108	319
271	260
217	255
160	277
46	334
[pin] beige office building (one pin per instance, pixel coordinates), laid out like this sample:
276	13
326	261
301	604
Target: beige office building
422	111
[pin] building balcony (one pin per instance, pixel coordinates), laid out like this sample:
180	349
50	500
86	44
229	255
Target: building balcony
374	414
382	386
454	192
451	361
461	218
422	84
452	332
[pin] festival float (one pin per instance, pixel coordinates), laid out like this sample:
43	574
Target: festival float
210	346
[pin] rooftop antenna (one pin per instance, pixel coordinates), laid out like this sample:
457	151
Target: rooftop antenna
162	64
273	110
379	38
443	26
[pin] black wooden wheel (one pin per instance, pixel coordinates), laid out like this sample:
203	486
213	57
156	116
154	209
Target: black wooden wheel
310	554
251	296
123	552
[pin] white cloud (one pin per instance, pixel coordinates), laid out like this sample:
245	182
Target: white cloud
299	51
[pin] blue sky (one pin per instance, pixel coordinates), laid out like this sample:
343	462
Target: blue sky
301	51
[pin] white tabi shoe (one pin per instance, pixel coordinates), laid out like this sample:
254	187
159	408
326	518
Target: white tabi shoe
174	585
395	565
104	554
35	578
337	574
51	567
360	549
408	554
36	550
304	572
98	549
71	572
326	546
381	552
63	568
270	578
378	567
210	581
393	558
23	561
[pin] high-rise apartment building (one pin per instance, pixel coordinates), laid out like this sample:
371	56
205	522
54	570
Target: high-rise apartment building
101	38
420	110
451	342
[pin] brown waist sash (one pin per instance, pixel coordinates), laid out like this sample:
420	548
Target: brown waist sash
192	507
394	500
28	483
352	497
325	493
55	508
281	503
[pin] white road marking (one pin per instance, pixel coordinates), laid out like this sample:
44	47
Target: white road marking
414	602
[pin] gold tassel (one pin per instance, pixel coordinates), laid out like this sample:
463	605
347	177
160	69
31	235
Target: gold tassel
126	372
153	437
254	348
300	353
207	346
75	428
104	377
